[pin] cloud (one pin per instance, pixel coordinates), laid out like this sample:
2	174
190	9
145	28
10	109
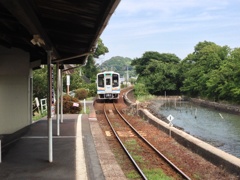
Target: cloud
139	25
131	7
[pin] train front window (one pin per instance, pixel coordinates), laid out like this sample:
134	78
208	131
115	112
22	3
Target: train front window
108	82
115	80
101	80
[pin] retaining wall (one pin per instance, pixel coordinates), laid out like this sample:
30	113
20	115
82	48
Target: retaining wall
207	151
218	106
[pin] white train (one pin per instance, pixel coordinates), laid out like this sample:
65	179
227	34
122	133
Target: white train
108	85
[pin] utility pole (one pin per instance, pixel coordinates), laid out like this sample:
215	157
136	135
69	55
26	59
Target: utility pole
127	76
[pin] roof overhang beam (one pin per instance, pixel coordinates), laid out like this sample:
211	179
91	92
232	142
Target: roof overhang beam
24	13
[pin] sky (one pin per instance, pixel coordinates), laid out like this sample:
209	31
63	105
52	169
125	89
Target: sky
170	26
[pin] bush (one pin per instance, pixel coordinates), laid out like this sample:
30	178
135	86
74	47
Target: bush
68	107
81	93
92	90
140	90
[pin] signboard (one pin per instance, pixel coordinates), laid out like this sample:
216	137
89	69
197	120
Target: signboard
68	80
37	102
170	117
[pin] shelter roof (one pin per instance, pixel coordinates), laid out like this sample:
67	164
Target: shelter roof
68	28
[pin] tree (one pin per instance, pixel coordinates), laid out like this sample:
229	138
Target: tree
159	72
141	63
160	77
119	64
206	58
224	83
40	83
101	49
91	70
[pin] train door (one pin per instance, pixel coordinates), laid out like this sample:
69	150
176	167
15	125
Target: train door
108	85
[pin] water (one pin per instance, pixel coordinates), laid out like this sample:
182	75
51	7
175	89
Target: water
220	129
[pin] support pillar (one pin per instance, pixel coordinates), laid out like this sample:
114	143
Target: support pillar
57	99
50	105
61	95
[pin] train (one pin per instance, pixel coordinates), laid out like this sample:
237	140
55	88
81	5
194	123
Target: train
108	85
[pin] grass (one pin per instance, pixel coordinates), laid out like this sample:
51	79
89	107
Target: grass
197	176
116	124
133	175
87	110
151	174
145	98
131	144
156	174
90	98
39	116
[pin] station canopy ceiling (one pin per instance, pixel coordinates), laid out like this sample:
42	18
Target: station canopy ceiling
68	28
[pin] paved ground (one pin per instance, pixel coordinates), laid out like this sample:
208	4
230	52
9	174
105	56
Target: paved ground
80	152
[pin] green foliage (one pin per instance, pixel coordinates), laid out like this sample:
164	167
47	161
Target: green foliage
158	72
81	93
75	80
90	70
40	83
120	65
141	63
133	175
68	107
211	71
39	116
140	90
200	66
92	89
156	174
224	83
160	77
101	49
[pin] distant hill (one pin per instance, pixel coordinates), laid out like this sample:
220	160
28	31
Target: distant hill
119	64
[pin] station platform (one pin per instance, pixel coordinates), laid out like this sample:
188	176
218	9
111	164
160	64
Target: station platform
80	152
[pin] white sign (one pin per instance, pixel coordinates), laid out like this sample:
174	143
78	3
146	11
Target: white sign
170	117
52	111
68	80
37	102
75	105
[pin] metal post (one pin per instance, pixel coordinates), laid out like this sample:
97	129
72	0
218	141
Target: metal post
84	103
31	99
61	95
50	99
57	98
68	83
127	76
0	151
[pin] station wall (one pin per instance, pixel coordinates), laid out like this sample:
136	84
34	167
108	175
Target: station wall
15	90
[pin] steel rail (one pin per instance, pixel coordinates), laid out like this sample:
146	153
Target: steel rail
126	151
158	152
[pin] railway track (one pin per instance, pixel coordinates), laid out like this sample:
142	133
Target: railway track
137	147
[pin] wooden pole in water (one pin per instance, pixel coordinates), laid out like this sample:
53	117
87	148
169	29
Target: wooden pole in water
196	113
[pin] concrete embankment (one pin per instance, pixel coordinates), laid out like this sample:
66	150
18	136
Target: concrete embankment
215	105
207	151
